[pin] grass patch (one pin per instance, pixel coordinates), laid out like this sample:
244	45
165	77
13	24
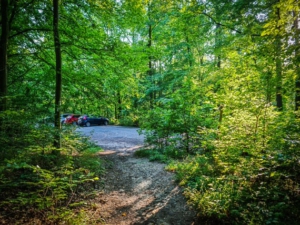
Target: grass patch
152	155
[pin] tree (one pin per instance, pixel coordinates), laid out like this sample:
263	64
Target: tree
58	72
3	53
297	59
278	56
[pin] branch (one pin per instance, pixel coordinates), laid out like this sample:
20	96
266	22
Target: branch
223	25
13	13
21	76
28	30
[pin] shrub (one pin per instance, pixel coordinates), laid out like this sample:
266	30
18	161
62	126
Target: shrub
34	182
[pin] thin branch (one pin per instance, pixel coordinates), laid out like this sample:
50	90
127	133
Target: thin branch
223	25
28	30
22	75
13	13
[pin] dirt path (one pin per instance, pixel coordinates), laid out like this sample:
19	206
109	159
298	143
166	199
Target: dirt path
135	191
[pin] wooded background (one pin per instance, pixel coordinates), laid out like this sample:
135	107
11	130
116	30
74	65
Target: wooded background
214	82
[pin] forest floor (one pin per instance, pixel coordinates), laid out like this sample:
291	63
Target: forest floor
135	191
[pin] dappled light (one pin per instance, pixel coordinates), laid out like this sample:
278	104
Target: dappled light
99	99
137	191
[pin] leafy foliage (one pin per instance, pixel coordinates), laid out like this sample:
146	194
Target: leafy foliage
212	84
218	103
36	181
244	187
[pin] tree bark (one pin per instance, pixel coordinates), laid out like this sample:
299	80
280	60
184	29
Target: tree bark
278	67
218	38
279	102
218	59
150	68
3	54
58	61
189	51
119	105
217	45
297	61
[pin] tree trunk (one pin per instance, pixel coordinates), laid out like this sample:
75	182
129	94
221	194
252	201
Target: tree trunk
218	60
220	115
3	54
278	67
116	111
269	87
189	51
297	61
58	76
119	105
150	68
218	45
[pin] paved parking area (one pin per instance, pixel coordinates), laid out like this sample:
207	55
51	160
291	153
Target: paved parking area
115	138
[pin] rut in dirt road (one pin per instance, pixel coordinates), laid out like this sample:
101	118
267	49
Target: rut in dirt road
136	191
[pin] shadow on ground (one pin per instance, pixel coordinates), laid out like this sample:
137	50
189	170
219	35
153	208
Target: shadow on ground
137	191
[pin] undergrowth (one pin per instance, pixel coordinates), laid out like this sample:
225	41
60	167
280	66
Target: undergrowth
156	155
238	175
38	186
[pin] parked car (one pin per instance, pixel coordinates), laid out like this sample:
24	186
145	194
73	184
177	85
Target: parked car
72	119
63	117
86	120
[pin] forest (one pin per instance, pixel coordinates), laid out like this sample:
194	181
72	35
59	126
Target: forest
214	85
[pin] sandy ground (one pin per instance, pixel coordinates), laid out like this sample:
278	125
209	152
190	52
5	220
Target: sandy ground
135	191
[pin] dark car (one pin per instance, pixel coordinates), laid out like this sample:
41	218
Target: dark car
86	120
72	119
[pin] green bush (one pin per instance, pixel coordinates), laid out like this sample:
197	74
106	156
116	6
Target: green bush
245	171
253	181
34	179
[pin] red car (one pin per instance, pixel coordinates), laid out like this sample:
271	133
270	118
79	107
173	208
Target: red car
72	119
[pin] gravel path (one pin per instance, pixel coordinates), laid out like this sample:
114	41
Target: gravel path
135	190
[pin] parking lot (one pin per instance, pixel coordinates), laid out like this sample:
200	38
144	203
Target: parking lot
116	138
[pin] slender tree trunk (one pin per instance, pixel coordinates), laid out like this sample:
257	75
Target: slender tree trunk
278	75
150	67
269	87
119	105
278	67
3	54
217	46
297	61
58	76
116	111
220	115
218	61
190	59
